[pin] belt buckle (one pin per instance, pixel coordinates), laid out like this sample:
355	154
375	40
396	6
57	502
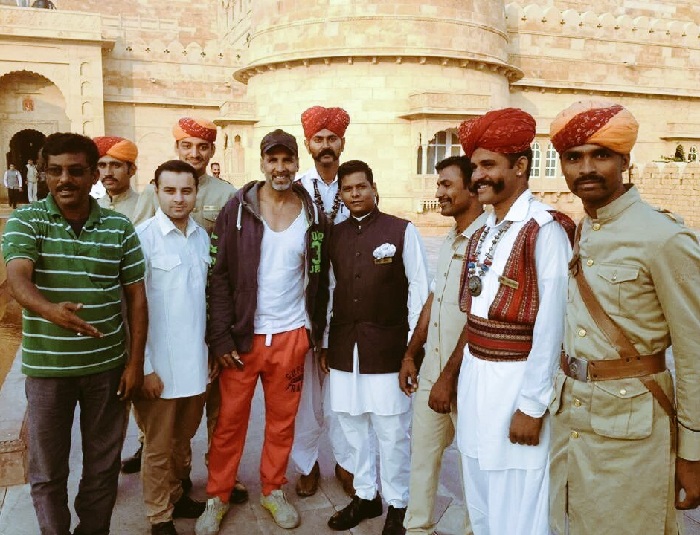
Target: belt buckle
578	368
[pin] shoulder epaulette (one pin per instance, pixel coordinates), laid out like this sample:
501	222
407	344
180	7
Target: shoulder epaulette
673	217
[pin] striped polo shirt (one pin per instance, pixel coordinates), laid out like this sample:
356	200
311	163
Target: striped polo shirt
88	269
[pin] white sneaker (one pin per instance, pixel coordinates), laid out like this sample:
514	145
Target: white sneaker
209	522
283	512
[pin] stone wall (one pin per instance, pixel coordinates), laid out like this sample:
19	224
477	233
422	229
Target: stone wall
672	186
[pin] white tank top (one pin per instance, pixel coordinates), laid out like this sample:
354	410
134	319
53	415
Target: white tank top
281	279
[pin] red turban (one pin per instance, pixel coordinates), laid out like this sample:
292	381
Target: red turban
195	127
506	131
596	122
318	118
117	147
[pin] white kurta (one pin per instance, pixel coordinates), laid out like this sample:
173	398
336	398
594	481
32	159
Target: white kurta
356	393
314	412
176	276
507	485
327	192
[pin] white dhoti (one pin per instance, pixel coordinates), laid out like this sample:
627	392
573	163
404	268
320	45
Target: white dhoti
314	415
492	507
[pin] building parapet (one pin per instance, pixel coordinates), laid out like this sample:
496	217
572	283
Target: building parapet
27	23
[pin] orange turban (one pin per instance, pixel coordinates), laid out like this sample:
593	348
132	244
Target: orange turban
318	118
117	147
596	122
195	127
506	131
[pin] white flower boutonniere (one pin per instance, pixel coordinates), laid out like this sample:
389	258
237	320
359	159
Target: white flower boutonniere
384	254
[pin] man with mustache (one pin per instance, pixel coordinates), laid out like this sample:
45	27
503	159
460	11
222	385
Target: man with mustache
633	291
117	165
69	263
439	325
194	144
267	296
514	293
324	132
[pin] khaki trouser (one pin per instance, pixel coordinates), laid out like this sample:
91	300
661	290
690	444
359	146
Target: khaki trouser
167	425
432	433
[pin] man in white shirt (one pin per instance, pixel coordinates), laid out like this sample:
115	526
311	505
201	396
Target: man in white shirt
514	293
268	292
176	250
13	182
324	130
32	181
378	263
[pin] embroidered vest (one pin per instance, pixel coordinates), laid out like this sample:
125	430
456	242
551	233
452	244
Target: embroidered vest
507	332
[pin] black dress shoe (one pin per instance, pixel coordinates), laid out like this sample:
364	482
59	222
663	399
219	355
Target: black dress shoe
186	485
186	507
355	512
239	494
393	525
132	465
163	528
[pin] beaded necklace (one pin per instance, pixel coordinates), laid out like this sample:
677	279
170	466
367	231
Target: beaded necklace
318	201
478	270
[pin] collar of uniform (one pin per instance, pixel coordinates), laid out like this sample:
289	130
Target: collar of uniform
204	179
127	194
54	211
307	179
619	205
517	212
166	226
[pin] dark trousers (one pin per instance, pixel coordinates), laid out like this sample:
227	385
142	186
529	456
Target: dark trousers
51	407
13	196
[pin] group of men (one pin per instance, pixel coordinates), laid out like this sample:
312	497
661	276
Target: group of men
301	282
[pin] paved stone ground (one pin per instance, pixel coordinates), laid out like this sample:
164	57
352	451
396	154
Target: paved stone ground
17	514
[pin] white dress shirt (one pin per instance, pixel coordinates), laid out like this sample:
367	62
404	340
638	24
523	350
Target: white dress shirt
327	192
490	392
176	277
357	393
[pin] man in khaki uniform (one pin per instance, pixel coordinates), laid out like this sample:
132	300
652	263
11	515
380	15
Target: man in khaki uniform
618	461
440	325
117	165
194	144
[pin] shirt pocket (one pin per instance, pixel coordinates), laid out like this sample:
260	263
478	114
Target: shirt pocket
622	409
210	212
163	272
619	284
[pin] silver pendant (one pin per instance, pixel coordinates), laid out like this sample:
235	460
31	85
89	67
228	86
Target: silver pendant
475	286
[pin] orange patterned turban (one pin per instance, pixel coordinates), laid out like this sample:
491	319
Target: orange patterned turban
596	122
117	147
195	127
506	131
317	118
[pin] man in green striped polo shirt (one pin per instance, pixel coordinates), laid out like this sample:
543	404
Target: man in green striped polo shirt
68	263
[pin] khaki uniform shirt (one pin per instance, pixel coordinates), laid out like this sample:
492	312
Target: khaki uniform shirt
124	203
212	194
446	319
611	459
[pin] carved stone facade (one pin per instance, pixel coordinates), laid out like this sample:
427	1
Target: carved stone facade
408	72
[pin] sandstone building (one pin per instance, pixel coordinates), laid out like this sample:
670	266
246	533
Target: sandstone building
408	71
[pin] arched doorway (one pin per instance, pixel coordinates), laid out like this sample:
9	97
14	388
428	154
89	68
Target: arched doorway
32	107
25	146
